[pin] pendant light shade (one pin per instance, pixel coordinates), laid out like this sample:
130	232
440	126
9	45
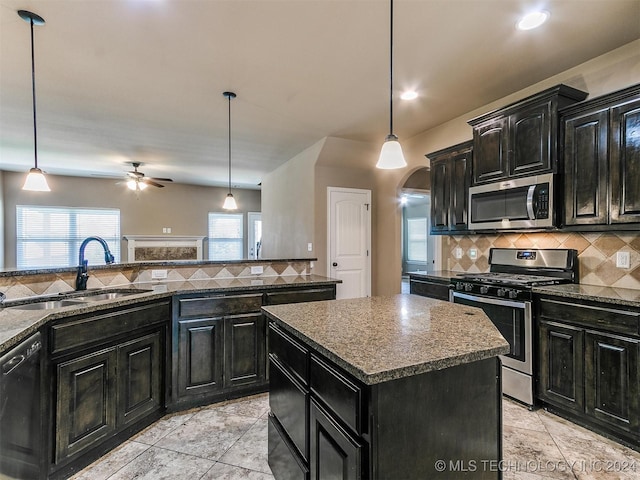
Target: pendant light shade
229	202
391	155
35	181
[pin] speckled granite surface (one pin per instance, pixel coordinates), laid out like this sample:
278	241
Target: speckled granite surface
594	293
377	339
17	324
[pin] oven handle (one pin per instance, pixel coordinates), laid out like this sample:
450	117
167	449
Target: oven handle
492	301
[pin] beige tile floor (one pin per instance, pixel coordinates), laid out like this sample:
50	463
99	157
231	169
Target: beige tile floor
228	441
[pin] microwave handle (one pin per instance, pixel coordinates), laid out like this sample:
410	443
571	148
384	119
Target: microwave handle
530	195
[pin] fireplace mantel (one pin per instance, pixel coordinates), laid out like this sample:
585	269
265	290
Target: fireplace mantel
149	248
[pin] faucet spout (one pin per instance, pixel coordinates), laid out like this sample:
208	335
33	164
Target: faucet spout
82	276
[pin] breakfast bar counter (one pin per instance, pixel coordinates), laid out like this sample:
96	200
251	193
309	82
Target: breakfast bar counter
384	387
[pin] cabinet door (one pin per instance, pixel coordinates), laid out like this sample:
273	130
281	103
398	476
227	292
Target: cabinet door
244	349
460	181
586	169
561	365
200	356
490	145
530	141
440	195
624	163
140	370
334	453
612	380
86	402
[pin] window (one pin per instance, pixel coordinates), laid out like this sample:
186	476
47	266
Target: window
225	236
417	239
51	236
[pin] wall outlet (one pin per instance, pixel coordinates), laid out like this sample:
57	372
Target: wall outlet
158	274
309	247
166	229
457	253
473	253
623	260
257	270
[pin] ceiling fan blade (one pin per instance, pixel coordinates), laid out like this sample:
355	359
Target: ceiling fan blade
150	182
157	179
132	173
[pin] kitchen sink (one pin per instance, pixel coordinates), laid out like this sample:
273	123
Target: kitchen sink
47	305
96	297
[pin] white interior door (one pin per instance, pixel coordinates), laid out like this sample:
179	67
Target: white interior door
349	240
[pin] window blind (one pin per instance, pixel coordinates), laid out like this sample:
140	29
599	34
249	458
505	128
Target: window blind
51	236
225	236
417	239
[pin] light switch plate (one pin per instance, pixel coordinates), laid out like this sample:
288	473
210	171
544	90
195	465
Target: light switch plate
309	247
158	274
623	260
473	253
457	253
257	270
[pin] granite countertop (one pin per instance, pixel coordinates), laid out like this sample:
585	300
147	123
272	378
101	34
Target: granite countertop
378	339
17	324
594	293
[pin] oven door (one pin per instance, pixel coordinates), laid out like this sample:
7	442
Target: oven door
513	320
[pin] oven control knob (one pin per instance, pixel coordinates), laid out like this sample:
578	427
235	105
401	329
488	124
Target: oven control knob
484	289
501	292
468	287
513	293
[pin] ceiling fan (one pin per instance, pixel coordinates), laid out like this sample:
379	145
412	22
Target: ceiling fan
137	181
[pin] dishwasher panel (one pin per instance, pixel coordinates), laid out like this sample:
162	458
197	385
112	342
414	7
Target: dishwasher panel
21	435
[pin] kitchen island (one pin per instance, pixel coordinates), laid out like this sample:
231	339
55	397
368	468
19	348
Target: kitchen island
384	387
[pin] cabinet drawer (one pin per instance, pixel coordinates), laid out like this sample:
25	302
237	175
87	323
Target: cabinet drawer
591	316
97	329
219	306
339	393
290	352
283	460
297	296
430	289
288	401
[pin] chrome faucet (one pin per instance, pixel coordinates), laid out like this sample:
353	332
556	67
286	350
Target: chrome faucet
82	275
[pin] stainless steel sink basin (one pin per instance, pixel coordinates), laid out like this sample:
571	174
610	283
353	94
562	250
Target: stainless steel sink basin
106	296
47	305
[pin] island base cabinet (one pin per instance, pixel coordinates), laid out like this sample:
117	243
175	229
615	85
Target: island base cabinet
335	454
284	462
86	404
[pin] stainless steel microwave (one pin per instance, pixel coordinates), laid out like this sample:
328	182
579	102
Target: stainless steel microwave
513	204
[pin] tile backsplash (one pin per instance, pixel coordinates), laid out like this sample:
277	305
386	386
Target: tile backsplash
596	253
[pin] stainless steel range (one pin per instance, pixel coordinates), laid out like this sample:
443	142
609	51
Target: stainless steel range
505	295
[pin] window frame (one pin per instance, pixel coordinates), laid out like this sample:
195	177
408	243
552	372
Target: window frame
240	241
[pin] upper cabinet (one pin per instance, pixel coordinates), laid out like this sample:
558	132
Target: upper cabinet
450	178
601	152
520	139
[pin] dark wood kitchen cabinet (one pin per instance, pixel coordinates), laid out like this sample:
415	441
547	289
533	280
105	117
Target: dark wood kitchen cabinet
450	180
588	364
520	139
432	287
602	161
107	378
219	346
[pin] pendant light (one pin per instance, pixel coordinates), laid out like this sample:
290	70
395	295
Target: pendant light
229	202
36	180
391	154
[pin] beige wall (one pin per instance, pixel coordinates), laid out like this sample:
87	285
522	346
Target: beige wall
184	208
288	207
612	71
1	220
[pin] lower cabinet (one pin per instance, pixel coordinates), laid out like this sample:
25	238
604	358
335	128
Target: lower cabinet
429	287
588	365
107	377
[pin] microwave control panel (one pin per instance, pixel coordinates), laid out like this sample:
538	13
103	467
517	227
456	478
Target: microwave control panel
542	200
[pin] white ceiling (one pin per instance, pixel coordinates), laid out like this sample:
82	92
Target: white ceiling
122	81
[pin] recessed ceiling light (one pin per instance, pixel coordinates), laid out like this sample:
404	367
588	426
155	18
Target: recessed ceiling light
409	95
533	20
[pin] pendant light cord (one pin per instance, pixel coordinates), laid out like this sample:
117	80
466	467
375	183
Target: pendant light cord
391	68
33	91
229	97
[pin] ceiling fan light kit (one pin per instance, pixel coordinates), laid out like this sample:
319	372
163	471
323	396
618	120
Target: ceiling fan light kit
35	181
137	182
229	201
391	155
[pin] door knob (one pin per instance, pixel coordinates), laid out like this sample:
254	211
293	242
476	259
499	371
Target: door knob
334	264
